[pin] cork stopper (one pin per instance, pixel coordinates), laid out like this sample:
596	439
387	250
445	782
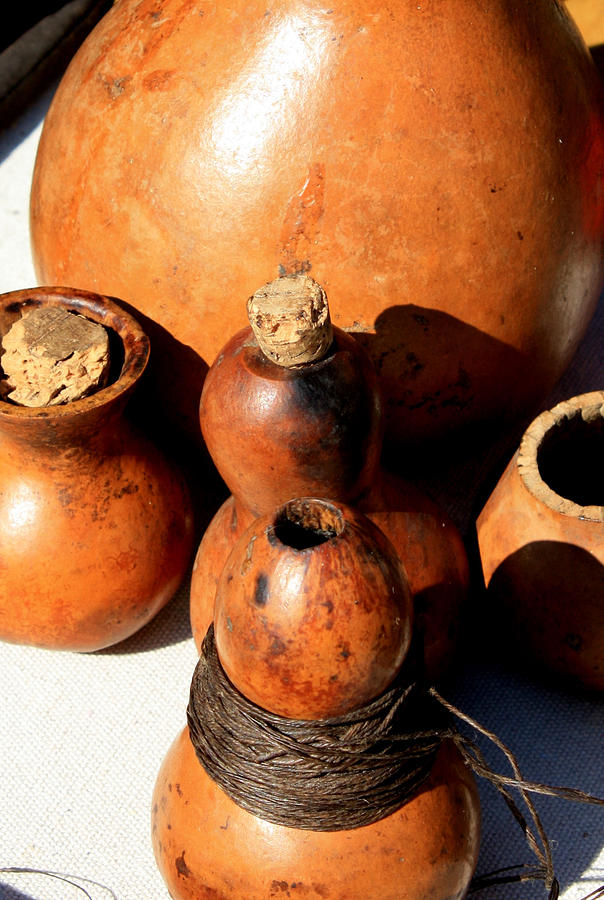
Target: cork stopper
54	356
290	319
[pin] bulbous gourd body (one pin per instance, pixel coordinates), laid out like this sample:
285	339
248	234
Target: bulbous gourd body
207	846
95	523
437	167
541	540
316	430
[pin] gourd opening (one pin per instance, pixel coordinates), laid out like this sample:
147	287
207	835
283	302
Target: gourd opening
306	523
69	351
570	458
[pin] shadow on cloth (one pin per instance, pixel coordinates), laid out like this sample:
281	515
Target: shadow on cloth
556	737
7	892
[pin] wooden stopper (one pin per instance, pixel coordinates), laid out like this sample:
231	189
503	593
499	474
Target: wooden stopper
290	319
53	356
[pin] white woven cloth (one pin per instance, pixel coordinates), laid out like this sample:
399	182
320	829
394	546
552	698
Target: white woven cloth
82	736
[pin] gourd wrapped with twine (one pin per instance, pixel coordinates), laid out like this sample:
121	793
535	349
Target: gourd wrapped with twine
351	770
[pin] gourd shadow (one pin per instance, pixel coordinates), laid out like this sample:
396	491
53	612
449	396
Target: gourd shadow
35	53
8	892
170	626
166	404
556	740
14	125
552	726
173	368
548	597
440	374
436	372
597	53
176	370
555	735
461	466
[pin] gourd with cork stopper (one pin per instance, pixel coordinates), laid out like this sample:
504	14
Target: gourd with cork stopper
96	527
291	407
309	766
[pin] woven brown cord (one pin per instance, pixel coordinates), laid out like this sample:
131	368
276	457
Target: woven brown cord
475	760
513	875
336	774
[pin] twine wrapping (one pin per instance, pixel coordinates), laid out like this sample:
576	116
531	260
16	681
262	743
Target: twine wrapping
326	775
352	770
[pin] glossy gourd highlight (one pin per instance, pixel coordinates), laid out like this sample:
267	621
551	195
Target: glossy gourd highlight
436	167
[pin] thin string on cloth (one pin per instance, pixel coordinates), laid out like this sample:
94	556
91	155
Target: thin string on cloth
73	880
341	773
331	775
540	846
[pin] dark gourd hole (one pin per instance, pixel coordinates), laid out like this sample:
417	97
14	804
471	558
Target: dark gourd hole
302	524
571	460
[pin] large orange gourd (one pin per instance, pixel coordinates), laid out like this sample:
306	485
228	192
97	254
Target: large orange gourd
436	166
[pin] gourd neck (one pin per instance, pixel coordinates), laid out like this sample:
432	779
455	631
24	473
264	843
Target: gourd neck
276	429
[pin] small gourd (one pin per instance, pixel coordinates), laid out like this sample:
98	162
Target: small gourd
541	541
96	525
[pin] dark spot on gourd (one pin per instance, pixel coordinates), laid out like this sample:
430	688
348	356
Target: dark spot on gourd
415	365
421	320
65	496
574	641
181	866
129	488
277	646
157	81
261	592
115	87
178	790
